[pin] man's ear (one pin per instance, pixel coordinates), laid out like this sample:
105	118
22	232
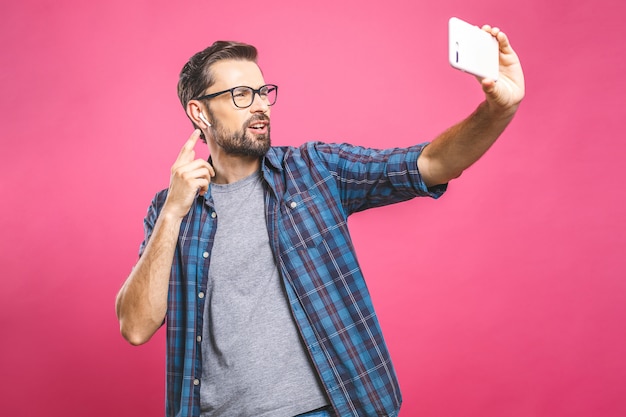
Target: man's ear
195	112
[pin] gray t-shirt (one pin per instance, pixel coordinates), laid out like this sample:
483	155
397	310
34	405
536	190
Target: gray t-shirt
254	362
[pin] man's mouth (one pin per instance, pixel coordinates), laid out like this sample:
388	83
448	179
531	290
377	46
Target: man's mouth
259	126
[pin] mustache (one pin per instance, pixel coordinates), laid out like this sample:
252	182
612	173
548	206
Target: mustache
257	118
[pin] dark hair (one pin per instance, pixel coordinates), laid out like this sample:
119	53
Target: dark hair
196	75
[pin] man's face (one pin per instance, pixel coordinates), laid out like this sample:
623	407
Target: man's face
238	131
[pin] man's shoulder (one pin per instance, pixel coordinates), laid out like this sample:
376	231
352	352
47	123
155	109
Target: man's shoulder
290	149
280	154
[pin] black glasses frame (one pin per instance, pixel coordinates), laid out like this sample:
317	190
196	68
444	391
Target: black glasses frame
230	90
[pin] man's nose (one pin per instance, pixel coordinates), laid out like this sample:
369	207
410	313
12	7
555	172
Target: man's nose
259	104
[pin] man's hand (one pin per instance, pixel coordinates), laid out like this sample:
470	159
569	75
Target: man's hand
504	95
189	178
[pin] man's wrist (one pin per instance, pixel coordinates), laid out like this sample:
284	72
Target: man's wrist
495	112
171	215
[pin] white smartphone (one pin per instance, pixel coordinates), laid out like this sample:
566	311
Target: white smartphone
472	50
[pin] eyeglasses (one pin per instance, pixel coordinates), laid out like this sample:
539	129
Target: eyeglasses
243	96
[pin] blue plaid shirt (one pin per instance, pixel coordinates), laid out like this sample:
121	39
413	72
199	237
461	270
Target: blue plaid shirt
309	193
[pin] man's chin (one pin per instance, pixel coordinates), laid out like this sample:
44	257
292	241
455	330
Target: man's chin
262	145
260	152
257	151
247	145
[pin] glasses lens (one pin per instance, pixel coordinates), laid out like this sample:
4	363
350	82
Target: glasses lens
244	96
269	93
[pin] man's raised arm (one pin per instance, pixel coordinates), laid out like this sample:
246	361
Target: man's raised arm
460	146
141	303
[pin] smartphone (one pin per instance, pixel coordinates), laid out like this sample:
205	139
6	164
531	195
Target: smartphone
472	50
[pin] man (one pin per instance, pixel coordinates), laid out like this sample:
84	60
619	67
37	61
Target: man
248	260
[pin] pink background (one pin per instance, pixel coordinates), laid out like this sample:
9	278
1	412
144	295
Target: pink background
507	297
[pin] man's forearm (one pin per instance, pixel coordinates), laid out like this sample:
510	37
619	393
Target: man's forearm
141	304
463	144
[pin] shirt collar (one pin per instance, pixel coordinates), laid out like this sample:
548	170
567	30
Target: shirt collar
272	159
270	165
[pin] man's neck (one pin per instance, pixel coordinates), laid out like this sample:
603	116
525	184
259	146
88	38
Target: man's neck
232	168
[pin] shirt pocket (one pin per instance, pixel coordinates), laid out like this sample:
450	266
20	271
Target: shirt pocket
302	221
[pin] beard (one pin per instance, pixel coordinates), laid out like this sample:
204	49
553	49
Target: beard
243	142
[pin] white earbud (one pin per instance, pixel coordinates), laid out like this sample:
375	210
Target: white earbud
203	118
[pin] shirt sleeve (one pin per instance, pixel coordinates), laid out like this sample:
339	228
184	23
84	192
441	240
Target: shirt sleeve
368	178
151	217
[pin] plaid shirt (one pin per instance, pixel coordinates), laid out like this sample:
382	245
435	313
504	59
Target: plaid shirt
309	193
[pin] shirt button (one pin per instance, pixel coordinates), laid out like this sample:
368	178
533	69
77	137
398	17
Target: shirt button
293	204
205	255
200	294
213	215
199	338
196	381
